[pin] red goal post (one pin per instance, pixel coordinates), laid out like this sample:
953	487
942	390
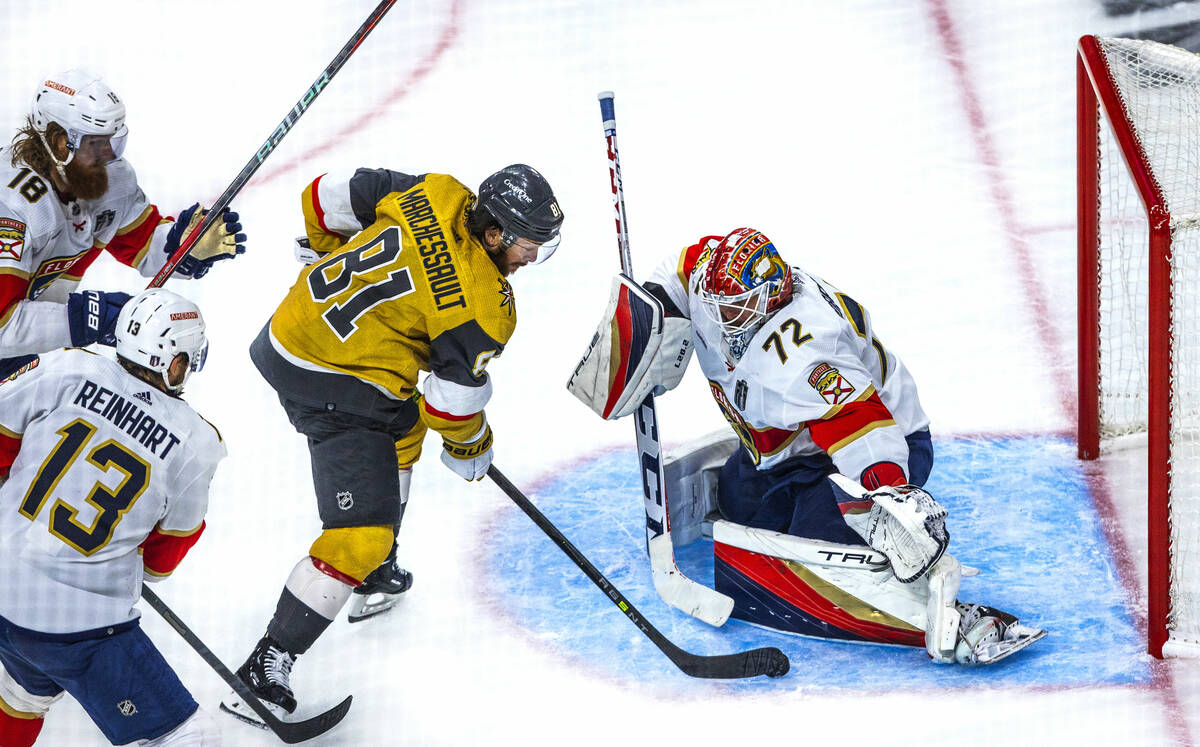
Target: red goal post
1139	299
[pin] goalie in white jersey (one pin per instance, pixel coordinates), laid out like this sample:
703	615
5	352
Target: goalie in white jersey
107	476
67	196
814	398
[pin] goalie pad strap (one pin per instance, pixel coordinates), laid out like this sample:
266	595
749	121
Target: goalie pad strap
636	351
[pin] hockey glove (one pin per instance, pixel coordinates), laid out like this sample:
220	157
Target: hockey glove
92	316
304	252
221	241
470	460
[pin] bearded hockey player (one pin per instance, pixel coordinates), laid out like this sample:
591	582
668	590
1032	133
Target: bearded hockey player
68	196
408	274
834	446
108	473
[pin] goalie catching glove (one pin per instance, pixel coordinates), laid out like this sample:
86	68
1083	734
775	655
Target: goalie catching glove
904	523
637	350
221	241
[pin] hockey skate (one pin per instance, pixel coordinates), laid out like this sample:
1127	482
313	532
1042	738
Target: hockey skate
267	673
987	635
380	590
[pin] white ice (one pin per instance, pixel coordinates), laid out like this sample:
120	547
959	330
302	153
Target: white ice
918	154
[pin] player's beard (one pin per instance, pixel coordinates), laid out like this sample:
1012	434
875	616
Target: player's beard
86	182
504	262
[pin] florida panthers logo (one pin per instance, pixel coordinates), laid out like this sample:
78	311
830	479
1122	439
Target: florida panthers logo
756	261
12	238
830	384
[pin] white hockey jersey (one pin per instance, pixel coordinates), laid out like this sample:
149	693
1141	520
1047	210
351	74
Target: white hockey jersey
46	245
97	462
813	378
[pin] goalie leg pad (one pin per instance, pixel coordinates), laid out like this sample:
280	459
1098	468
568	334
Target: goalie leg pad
941	614
636	351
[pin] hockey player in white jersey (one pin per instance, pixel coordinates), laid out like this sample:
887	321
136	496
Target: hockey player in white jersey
834	442
108	473
67	196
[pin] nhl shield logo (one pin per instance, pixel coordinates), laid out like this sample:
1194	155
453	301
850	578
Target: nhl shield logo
345	499
126	707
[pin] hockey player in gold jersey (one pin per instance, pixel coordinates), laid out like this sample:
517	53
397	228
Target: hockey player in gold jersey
405	274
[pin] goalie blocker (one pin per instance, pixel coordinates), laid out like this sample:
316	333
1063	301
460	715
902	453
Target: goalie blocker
637	350
842	591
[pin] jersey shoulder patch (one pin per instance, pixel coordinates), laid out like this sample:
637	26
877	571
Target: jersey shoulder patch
12	238
829	382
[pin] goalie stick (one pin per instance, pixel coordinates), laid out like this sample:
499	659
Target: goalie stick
676	589
272	141
769	661
291	732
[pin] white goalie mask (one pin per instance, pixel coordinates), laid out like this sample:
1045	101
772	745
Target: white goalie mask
82	104
156	325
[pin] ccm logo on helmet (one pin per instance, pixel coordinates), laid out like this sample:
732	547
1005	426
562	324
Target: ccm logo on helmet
180	315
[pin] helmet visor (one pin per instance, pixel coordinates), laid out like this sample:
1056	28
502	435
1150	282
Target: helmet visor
533	252
98	148
546	249
196	360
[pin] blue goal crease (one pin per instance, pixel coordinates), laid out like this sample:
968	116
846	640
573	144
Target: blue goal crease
1019	510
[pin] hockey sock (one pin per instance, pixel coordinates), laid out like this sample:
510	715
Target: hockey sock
310	601
19	732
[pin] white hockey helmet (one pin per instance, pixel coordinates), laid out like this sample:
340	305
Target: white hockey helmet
156	325
82	104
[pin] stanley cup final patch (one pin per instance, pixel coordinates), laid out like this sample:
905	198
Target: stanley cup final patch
12	238
830	384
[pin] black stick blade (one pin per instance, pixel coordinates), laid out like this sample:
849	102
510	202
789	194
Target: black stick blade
768	661
293	732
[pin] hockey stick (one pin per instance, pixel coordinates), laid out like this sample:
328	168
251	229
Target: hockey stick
291	732
676	589
769	661
277	135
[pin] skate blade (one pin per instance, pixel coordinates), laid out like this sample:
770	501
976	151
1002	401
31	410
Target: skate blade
235	706
1005	649
362	606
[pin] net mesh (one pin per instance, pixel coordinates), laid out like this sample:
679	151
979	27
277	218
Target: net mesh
1160	89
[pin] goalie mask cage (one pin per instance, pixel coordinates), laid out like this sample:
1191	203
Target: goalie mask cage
1139	299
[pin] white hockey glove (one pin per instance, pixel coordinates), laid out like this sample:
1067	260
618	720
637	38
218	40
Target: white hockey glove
223	240
906	524
636	351
304	252
469	460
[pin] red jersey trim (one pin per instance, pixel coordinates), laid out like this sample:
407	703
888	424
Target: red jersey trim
164	549
13	289
10	444
445	415
130	243
690	257
851	422
319	211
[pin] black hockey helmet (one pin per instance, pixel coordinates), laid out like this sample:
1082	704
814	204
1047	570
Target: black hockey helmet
521	201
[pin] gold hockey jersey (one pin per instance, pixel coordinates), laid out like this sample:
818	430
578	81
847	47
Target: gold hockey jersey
401	286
